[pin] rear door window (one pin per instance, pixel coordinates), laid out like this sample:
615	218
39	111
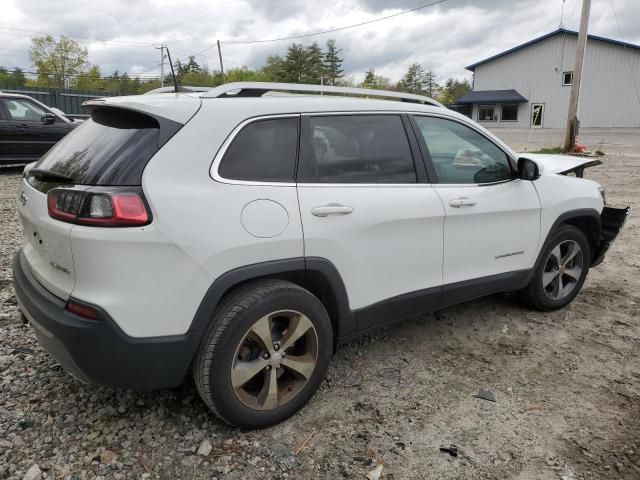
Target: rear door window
263	151
357	149
111	148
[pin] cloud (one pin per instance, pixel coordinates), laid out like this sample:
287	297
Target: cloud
443	38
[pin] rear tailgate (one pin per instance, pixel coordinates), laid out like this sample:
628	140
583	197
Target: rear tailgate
111	149
47	247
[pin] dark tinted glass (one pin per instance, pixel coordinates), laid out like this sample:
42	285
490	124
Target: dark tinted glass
263	151
111	148
462	155
358	149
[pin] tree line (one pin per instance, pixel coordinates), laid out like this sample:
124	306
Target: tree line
64	63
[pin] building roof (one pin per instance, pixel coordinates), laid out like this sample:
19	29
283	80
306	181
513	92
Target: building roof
559	31
491	96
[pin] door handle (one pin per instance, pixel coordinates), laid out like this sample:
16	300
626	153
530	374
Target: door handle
331	209
461	202
22	126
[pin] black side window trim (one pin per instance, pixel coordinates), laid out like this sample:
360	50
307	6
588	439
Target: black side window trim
427	155
304	149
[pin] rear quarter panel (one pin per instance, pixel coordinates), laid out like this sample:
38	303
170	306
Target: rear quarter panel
203	216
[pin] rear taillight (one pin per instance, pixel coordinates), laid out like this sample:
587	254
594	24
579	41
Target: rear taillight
99	206
63	203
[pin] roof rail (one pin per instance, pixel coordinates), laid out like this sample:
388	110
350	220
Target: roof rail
257	89
181	89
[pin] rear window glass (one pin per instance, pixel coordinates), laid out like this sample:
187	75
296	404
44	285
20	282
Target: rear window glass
111	148
263	151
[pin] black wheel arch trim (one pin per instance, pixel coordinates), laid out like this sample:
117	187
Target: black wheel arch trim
563	218
303	271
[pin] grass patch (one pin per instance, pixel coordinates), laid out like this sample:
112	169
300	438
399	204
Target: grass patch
554	150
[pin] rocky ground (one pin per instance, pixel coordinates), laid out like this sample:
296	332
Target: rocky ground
566	385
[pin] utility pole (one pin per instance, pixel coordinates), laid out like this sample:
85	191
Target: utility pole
220	57
572	118
161	48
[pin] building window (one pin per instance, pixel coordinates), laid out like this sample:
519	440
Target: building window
486	113
509	113
567	78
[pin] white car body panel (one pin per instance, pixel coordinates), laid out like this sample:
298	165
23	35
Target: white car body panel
552	164
497	234
204	217
179	108
46	243
389	245
559	194
144	281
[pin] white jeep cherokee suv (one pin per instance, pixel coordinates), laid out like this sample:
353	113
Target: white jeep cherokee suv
246	235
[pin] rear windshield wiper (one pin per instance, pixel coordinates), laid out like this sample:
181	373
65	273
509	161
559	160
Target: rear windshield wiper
48	175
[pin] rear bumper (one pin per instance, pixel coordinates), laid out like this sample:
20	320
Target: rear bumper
97	351
611	221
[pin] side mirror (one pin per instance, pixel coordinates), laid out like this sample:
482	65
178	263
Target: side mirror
528	169
48	118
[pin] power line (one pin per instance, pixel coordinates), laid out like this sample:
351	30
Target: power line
100	40
294	37
131	76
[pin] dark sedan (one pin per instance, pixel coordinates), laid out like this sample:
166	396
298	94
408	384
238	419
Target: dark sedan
28	129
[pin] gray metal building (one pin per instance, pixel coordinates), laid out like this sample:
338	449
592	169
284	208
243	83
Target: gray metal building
529	85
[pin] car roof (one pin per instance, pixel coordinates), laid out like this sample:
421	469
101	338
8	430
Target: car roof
13	95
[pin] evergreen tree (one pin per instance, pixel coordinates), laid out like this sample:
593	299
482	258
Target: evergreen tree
454	89
369	79
333	62
90	80
273	69
431	88
414	80
183	69
315	64
295	64
17	78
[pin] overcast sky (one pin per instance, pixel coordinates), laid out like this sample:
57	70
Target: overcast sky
443	38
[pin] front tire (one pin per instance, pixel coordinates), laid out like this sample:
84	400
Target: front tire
561	271
265	354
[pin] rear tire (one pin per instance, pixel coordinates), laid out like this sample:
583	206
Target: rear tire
265	353
561	271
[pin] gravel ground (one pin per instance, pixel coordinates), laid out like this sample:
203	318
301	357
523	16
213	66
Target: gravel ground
566	386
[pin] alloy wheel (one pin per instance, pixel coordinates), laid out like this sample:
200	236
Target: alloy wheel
274	360
562	270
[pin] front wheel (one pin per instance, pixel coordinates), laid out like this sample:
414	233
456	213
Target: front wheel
265	354
561	272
